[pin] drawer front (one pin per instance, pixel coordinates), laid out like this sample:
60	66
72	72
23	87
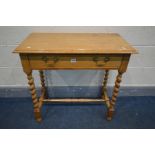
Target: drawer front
48	61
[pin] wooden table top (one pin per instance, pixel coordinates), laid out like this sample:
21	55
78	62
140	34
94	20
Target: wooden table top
75	43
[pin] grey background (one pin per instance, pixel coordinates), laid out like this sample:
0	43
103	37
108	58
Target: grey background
141	71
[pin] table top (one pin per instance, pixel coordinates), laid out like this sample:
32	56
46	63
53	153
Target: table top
75	43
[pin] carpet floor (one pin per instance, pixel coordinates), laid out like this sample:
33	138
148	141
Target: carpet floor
131	113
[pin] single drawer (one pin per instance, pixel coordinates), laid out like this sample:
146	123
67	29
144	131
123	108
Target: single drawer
48	61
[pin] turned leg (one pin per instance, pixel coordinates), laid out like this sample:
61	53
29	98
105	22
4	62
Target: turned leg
114	96
37	113
105	79
104	89
42	79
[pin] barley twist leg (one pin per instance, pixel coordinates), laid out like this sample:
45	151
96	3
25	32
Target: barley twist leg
104	89
114	96
105	79
42	79
37	113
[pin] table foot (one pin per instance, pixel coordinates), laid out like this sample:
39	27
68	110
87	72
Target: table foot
110	114
37	115
39	120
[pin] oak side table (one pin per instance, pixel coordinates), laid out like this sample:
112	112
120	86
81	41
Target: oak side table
53	51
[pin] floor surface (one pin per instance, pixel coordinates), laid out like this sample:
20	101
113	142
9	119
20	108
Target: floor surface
131	113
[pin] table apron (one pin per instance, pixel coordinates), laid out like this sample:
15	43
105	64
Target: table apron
72	61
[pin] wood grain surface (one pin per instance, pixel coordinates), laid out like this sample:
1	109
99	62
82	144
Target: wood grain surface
72	43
